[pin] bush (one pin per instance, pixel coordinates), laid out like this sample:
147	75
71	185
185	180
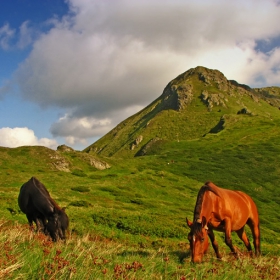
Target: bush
81	189
79	172
79	203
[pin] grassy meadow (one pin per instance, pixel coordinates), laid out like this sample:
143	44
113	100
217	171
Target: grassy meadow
26	255
128	221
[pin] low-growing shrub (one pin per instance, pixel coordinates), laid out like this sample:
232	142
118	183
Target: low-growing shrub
79	172
79	203
81	189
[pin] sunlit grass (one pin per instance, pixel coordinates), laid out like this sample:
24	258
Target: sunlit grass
128	222
28	255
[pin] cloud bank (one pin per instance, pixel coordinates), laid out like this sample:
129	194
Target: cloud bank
105	60
22	136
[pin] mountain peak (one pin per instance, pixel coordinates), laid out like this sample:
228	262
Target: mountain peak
197	102
203	74
210	85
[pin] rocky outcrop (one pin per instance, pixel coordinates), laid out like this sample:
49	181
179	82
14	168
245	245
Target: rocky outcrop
269	94
60	163
98	164
177	97
211	99
64	148
181	91
146	147
136	142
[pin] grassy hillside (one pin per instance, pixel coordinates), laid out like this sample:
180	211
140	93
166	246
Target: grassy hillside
191	105
139	205
131	217
128	221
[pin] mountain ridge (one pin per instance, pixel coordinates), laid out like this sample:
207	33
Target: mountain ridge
193	104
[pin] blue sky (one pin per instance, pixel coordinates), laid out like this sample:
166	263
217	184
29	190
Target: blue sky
71	70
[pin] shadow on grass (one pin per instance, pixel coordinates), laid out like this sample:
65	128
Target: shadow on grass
183	256
140	253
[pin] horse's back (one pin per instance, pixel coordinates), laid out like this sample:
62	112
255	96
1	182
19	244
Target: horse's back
235	205
233	198
33	196
250	204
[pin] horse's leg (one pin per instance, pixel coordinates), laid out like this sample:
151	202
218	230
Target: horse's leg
228	240
255	228
242	235
214	243
39	224
45	226
30	221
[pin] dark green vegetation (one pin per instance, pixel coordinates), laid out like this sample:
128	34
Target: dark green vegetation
202	128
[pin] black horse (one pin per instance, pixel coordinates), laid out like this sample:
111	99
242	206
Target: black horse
35	201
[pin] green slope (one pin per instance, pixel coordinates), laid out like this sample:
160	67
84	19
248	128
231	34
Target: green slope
193	104
145	199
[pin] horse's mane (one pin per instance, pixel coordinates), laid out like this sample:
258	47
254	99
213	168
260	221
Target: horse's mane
42	186
197	229
209	186
197	222
198	205
55	204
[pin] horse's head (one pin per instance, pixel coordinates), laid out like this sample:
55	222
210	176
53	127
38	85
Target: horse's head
63	223
57	224
198	238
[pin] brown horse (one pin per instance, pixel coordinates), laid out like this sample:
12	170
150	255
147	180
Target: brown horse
222	210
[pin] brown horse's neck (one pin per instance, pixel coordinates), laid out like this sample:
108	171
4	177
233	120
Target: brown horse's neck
198	205
209	186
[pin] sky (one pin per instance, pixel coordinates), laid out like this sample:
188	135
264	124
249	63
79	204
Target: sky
71	70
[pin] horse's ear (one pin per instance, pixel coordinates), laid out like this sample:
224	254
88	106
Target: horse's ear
189	222
204	223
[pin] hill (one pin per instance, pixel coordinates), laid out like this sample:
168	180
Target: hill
196	103
131	209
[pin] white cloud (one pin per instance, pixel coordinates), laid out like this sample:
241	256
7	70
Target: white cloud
107	58
13	39
23	136
26	34
6	34
81	128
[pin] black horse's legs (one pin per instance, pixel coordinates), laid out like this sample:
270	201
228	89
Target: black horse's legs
40	225
30	221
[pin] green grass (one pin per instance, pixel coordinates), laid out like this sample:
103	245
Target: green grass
138	208
130	218
26	255
152	195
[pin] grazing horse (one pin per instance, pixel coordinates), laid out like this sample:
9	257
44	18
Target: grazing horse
35	201
226	211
